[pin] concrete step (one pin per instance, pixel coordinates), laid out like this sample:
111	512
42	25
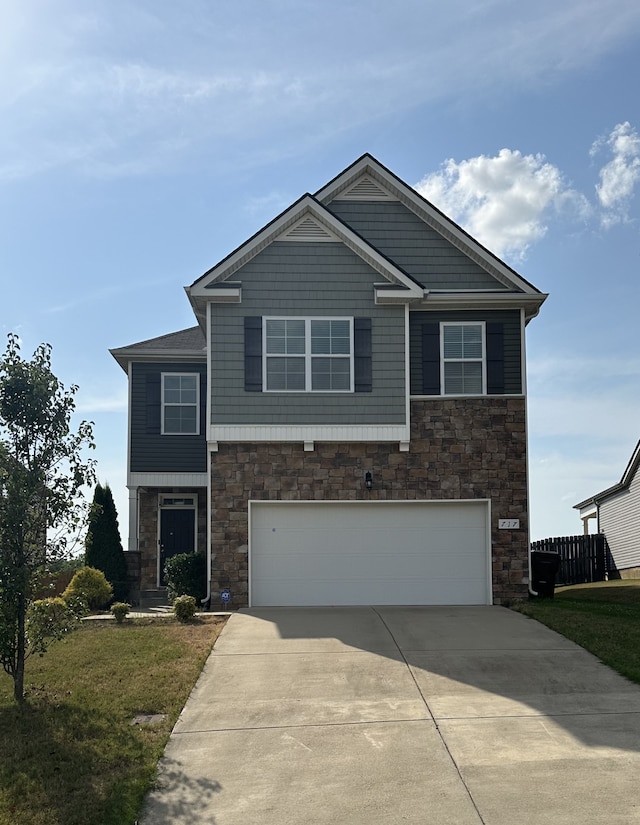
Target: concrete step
154	598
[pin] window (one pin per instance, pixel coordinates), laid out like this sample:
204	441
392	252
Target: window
463	359
308	354
180	403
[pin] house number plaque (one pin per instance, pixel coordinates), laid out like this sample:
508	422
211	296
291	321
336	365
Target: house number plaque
508	524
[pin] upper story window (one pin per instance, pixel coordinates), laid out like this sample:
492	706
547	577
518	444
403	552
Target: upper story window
463	358
308	354
180	403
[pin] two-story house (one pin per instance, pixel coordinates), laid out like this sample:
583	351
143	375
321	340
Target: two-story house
346	424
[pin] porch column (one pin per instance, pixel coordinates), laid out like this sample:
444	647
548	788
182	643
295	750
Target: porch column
133	519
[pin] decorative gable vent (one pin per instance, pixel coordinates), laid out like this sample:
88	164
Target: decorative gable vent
307	229
365	189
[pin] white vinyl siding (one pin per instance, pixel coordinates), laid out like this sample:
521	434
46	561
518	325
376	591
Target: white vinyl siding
463	358
619	520
308	354
180	403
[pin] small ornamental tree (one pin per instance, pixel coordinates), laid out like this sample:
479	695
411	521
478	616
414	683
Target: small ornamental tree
103	548
42	474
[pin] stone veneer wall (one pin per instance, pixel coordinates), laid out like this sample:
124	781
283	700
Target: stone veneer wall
460	449
148	529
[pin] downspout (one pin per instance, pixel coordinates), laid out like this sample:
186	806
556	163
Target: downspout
207	598
523	323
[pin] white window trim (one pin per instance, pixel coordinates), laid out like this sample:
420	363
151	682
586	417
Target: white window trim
308	355
163	405
189	501
483	359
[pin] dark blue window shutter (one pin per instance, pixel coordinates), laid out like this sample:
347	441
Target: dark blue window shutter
153	403
362	364
431	359
253	354
495	358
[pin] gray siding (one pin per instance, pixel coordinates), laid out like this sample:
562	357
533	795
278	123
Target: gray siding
620	522
307	279
510	319
155	453
417	248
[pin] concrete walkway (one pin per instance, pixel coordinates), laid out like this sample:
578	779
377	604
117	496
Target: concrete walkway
430	715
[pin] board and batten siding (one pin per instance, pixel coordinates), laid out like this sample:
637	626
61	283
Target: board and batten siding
619	520
421	251
512	340
291	279
152	452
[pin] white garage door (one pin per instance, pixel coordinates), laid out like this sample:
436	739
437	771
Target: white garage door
350	553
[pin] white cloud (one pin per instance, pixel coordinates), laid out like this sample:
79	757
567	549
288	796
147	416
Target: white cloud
136	88
503	201
618	178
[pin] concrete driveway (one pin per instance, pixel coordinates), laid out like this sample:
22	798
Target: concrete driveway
430	715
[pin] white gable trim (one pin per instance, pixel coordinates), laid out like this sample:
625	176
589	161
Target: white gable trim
368	168
306	208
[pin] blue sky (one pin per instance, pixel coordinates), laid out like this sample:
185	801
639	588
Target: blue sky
142	141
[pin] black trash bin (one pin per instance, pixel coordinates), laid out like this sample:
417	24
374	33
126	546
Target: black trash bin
544	568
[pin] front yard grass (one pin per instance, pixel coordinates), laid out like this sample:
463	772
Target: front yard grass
604	618
71	756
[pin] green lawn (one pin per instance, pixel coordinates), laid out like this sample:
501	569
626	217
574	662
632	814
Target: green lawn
72	756
603	617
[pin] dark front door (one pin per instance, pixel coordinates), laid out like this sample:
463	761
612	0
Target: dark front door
177	535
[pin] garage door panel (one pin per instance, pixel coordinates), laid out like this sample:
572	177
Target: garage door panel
368	553
349	565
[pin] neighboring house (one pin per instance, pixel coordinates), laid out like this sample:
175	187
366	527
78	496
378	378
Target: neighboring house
346	423
617	514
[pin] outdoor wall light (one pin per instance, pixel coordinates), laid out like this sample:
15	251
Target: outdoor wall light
368	481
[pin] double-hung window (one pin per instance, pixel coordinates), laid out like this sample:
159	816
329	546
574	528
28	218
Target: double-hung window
180	403
308	354
463	358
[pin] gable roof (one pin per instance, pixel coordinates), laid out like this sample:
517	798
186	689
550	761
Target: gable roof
366	176
306	219
184	345
310	219
623	484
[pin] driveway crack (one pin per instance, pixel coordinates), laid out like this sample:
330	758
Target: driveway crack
433	718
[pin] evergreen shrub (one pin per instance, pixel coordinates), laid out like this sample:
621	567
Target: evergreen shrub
186	575
92	586
184	608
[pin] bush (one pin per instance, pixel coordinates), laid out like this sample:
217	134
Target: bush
47	620
186	575
184	608
92	586
119	610
76	604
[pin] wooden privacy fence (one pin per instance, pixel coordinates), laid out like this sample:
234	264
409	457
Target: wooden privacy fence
582	558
